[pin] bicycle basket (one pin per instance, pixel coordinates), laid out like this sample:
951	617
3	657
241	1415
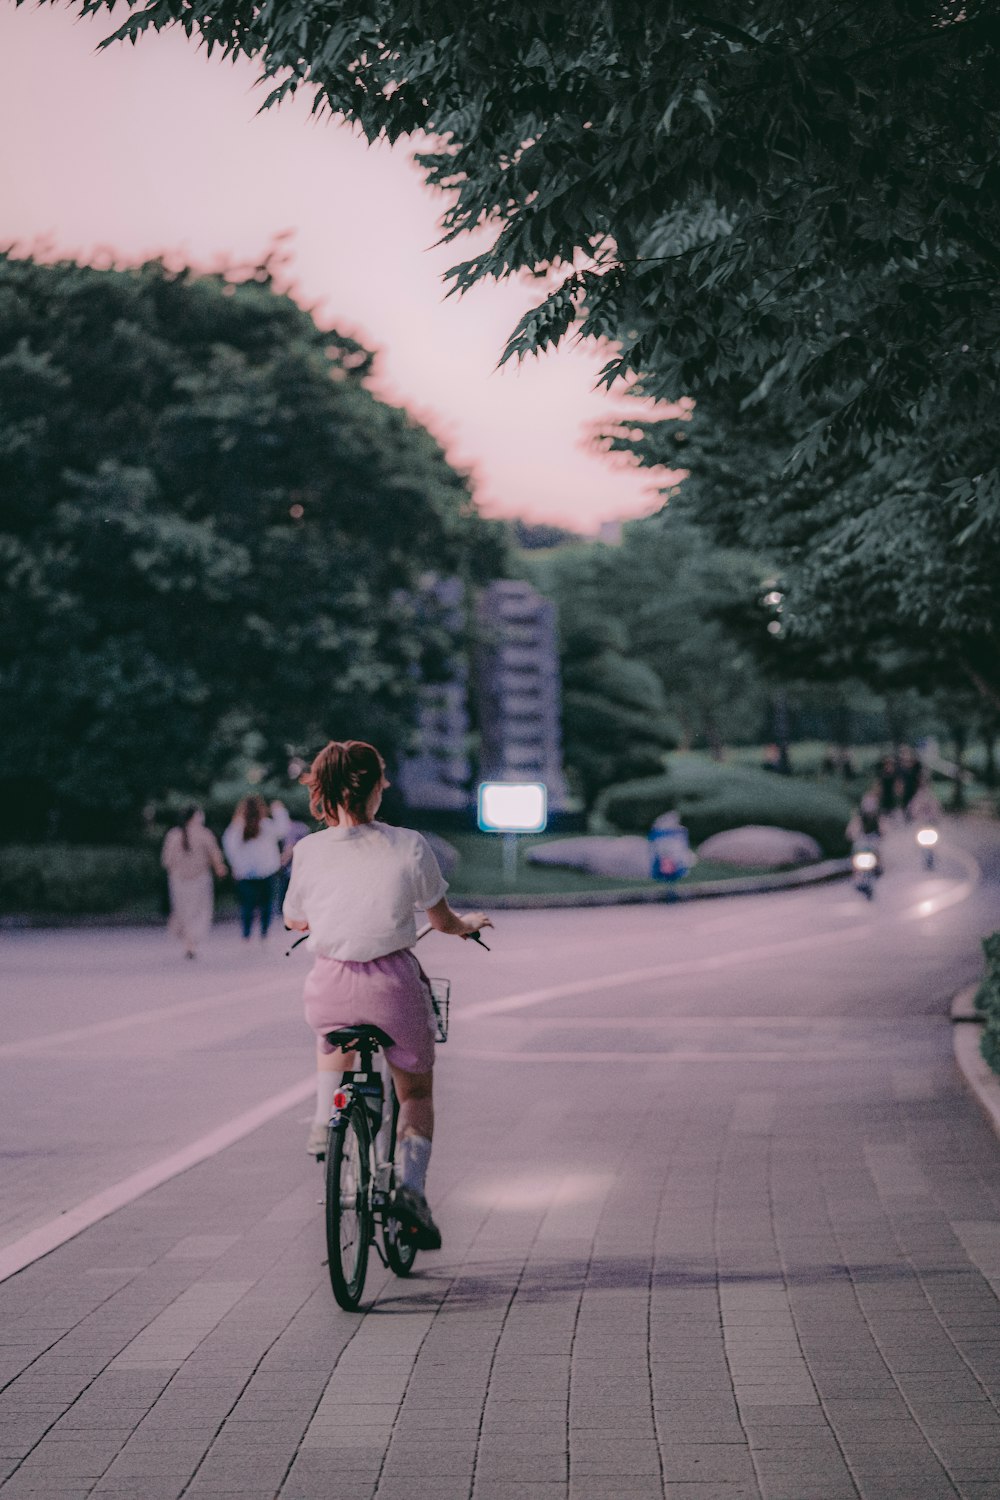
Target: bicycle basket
441	1001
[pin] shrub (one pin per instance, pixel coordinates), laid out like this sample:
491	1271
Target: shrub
988	1001
72	878
712	798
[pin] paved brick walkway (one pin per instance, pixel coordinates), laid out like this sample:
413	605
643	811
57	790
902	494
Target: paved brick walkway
731	1234
706	1281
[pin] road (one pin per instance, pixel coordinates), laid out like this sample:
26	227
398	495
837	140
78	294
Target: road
719	1219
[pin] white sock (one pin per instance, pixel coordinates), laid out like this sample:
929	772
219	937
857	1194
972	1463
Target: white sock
327	1085
414	1157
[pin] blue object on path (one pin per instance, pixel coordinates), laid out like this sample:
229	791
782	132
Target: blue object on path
669	849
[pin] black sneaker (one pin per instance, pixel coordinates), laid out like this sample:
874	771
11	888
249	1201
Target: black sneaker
413	1213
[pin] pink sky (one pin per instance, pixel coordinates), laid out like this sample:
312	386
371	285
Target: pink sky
158	149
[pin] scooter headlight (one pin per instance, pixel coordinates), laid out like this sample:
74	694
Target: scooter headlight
865	860
927	838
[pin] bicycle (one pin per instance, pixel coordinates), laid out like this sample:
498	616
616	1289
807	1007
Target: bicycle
360	1160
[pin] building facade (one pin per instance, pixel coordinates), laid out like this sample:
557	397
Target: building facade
438	775
517	688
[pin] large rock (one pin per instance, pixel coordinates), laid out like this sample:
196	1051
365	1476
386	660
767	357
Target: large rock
620	858
756	844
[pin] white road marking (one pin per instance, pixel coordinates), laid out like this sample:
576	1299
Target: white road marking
38	1242
31	1044
714	961
844	1052
702	965
931	905
48	1237
737	1023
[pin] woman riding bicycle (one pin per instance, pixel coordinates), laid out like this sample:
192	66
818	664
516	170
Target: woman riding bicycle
354	888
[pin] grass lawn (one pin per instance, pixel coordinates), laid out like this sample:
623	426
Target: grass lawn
480	872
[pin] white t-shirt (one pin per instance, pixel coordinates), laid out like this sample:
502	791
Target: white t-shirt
358	887
257	858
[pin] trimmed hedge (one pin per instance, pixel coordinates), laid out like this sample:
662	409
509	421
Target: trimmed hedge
988	1001
74	878
712	798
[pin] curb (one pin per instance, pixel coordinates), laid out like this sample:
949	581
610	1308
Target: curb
828	869
23	921
979	1077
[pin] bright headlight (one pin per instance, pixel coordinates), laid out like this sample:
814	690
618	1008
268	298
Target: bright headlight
927	837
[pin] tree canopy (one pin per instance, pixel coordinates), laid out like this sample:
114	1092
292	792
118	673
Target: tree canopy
876	576
755	198
209	526
643	642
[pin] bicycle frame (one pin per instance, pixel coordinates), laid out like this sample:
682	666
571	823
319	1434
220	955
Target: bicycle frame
364	1088
360	1159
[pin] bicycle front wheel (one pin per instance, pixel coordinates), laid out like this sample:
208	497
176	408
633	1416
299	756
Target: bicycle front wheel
349	1215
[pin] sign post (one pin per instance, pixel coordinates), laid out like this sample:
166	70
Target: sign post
510	808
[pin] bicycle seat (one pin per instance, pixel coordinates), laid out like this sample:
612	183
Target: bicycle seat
350	1038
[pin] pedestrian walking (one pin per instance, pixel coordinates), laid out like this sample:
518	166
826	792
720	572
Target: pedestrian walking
354	889
253	848
191	856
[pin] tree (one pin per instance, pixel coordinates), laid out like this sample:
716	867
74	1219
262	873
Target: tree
614	721
667	590
538	536
751	199
879	578
209	526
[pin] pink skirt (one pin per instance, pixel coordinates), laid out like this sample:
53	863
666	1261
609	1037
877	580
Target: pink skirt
390	992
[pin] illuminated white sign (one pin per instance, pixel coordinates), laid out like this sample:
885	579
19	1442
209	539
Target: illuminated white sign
512	807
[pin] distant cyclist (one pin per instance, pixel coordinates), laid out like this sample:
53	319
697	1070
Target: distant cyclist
865	828
355	887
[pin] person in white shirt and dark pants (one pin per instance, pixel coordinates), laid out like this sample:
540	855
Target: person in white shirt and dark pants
252	843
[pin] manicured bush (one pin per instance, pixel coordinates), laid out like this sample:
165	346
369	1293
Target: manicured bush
713	797
72	878
988	1001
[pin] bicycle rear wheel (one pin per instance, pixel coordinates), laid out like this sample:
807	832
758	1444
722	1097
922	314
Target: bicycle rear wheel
349	1217
400	1251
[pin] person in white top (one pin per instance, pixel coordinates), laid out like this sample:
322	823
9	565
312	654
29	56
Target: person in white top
253	848
354	888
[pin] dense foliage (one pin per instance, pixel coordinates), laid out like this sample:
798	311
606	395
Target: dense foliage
71	879
712	798
878	575
614	717
987	1000
666	589
209	527
759	199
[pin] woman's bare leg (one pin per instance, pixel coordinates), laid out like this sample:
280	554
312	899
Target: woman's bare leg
415	1092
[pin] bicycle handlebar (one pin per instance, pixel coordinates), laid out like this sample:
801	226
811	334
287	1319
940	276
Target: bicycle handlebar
476	937
421	932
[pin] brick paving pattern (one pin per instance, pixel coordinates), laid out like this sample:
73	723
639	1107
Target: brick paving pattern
730	1232
731	1280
